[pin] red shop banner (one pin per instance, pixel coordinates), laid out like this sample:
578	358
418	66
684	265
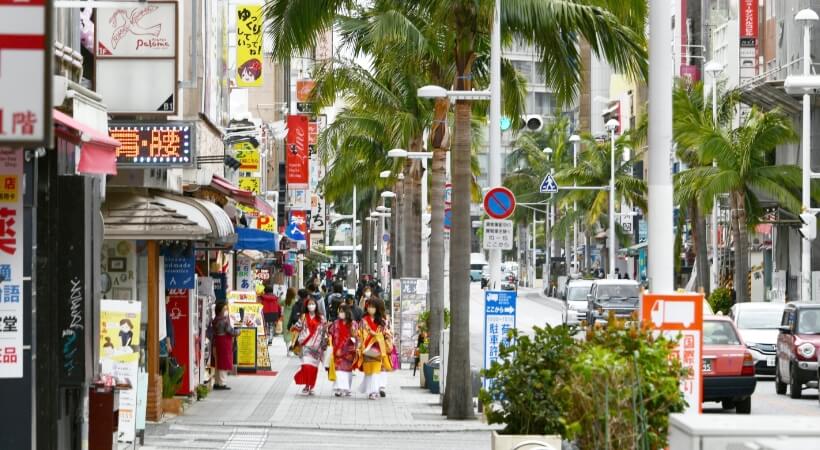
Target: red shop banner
748	18
297	151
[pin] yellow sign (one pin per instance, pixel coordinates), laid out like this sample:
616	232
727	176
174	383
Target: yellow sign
119	331
246	348
8	189
248	156
266	223
247	315
250	184
248	45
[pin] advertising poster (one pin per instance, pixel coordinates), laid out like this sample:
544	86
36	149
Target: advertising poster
413	302
248	45
119	356
297	156
245	313
248	156
246	348
11	266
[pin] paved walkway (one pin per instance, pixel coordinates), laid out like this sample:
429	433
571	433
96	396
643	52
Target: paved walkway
259	410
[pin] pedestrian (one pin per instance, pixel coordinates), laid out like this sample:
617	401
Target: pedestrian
334	300
271	311
224	333
393	355
373	351
287	308
343	337
354	308
310	342
617	273
329	276
313	288
298	307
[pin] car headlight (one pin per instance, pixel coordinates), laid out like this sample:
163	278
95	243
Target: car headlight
806	349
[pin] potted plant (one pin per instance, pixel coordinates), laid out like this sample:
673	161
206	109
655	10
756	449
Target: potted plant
615	389
424	356
171	381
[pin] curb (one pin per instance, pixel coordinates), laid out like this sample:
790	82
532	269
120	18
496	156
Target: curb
393	428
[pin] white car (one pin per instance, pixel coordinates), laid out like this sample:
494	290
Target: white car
759	326
576	301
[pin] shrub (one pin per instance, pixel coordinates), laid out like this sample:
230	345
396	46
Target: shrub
202	391
172	380
721	300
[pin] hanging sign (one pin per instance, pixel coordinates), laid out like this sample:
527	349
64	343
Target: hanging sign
167	144
248	45
297	150
179	267
11	265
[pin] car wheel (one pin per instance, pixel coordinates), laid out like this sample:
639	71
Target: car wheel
795	386
727	404
744	406
779	385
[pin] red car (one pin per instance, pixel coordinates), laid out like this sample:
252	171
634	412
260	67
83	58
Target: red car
797	348
728	367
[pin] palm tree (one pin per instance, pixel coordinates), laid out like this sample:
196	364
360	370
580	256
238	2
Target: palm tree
745	170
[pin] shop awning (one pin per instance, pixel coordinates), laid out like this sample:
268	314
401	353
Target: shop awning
129	215
206	214
98	151
253	239
242	196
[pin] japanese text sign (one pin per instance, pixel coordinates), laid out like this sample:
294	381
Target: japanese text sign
25	103
248	156
748	18
297	150
11	263
151	145
681	315
244	274
499	318
179	268
498	234
248	45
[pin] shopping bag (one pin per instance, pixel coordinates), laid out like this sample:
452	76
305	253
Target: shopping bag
331	371
394	359
328	357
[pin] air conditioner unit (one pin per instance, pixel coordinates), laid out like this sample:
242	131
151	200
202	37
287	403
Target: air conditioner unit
532	122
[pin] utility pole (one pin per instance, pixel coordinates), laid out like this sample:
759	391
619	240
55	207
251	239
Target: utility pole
494	152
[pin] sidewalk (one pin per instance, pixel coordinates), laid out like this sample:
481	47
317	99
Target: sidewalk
257	405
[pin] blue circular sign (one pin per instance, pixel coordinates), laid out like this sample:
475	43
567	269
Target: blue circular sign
499	203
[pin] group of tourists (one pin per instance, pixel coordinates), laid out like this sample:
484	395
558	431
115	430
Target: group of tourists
345	338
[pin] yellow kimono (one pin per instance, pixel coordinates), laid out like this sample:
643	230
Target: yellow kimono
374	353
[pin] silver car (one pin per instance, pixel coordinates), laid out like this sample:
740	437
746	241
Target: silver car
576	301
759	325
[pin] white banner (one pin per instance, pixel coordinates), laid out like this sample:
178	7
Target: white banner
11	263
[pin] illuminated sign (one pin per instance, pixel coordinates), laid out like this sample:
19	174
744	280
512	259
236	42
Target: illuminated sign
151	145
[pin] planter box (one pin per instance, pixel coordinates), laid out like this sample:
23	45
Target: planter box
525	442
423	358
172	405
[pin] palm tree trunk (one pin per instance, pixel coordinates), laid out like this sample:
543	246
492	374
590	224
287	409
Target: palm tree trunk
437	250
701	252
459	393
741	248
398	230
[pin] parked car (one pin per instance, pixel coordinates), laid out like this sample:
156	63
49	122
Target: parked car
728	366
759	324
620	296
576	301
475	271
797	345
509	282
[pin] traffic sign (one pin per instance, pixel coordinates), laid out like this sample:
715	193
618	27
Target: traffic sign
499	203
448	218
448	194
498	234
548	185
499	318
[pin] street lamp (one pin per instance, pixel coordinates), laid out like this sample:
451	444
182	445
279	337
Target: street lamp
384	174
576	140
612	127
388	194
423	156
714	68
805	85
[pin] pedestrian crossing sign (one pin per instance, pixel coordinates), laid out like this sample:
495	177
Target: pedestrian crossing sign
549	186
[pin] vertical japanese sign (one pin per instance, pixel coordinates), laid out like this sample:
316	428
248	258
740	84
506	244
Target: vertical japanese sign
244	273
499	318
674	315
25	95
297	150
413	301
11	263
119	356
248	45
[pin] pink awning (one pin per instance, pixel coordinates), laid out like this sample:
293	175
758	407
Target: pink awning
242	196
98	152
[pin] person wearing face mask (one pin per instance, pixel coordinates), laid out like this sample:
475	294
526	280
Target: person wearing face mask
311	342
366	294
374	351
223	332
343	336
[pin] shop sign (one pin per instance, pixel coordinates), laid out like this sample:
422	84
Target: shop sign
220	283
25	93
242	296
748	18
248	45
179	267
119	356
11	265
297	196
297	226
297	156
248	156
317	213
167	144
266	223
246	349
303	89
247	314
250	184
244	274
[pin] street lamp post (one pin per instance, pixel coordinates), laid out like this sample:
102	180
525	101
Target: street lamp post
548	230
576	140
423	156
393	230
714	68
612	126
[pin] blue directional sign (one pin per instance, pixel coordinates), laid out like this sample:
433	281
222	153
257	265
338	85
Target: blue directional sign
499	318
549	186
448	218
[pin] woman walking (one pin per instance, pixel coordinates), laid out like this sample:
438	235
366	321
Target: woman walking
374	351
290	298
223	345
343	337
311	340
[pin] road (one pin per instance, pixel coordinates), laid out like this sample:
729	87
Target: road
536	309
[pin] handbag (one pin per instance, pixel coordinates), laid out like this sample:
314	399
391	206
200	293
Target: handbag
372	354
394	359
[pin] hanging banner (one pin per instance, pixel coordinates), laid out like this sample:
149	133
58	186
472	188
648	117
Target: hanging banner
248	45
119	357
297	226
11	265
297	150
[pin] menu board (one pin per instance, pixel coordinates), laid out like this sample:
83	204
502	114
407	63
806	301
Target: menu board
412	302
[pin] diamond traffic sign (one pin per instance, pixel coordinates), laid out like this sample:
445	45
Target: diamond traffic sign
548	185
499	203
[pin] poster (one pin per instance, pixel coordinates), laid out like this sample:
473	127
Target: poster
11	267
413	302
297	156
248	45
119	356
247	315
247	154
246	348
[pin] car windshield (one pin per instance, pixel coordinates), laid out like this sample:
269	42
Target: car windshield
759	320
719	333
576	294
809	322
618	291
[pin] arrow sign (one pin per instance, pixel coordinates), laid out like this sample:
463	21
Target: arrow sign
549	186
